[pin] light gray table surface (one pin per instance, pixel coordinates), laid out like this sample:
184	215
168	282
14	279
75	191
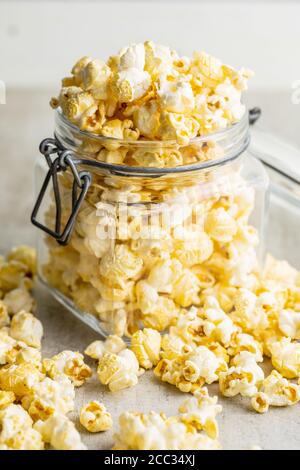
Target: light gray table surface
24	121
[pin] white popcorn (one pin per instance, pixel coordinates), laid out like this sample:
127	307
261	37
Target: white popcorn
48	397
132	56
60	433
16	429
289	323
130	84
95	418
118	371
113	344
17	300
25	327
285	356
176	94
244	376
69	363
201	411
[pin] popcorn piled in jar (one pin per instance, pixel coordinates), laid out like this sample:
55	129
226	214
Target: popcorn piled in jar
165	220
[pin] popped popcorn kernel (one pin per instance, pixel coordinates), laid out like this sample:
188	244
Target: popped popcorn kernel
4	317
200	411
285	356
60	433
113	344
153	431
276	391
95	418
17	300
20	378
146	345
27	328
6	398
68	363
16	429
26	255
243	377
118	371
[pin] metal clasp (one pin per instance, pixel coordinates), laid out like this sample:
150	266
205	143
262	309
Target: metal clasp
82	180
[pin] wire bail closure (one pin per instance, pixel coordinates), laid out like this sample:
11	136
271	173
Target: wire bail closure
82	181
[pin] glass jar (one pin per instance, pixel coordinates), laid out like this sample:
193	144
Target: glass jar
137	231
281	161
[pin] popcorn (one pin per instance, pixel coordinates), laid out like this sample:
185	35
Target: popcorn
200	411
155	431
26	256
48	397
113	344
244	342
19	378
217	325
243	377
68	363
285	356
95	418
17	300
220	226
6	398
60	433
289	323
118	371
146	346
4	317
275	391
25	327
190	370
130	84
120	266
12	273
175	94
16	429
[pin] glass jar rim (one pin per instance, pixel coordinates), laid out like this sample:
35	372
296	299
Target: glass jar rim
237	126
236	138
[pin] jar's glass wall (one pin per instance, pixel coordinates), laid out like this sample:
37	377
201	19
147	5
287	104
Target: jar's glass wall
146	248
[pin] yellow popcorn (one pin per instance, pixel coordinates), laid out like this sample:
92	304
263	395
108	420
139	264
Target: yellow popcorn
129	84
191	369
161	315
78	68
146	118
17	300
220	225
175	94
68	363
146	345
285	356
118	371
20	378
75	102
6	398
249	311
120	266
95	78
260	402
4	317
244	342
243	377
289	323
153	431
48	397
217	325
27	328
177	127
16	429
60	433
94	417
185	289
200	411
113	344
25	255
29	355
279	391
12	273
8	348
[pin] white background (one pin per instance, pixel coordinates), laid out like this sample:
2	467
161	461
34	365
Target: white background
39	41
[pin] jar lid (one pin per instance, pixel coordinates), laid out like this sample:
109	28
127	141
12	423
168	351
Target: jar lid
281	160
